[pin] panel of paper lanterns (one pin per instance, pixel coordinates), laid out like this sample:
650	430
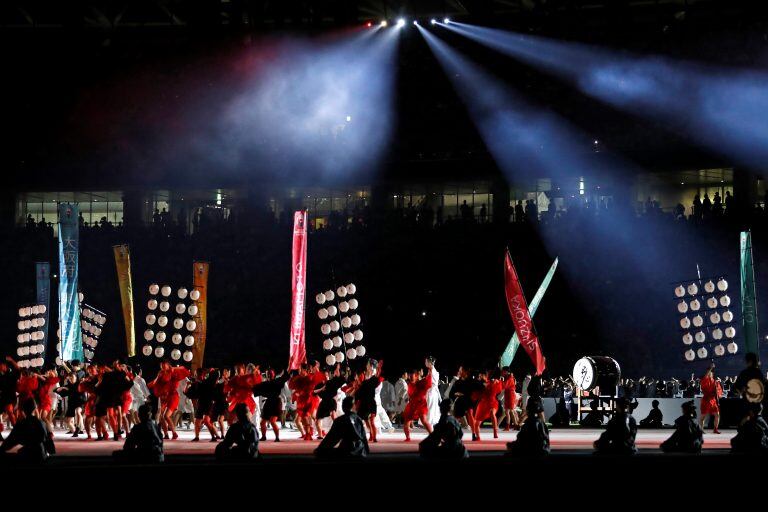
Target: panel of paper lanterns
92	323
345	331
31	351
692	299
181	328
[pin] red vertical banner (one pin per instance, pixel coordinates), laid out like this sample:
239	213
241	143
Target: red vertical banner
298	350
518	310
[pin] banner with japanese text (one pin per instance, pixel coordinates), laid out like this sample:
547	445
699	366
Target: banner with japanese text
518	310
298	349
69	306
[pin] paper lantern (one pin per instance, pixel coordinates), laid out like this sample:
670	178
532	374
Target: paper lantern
330	360
337	341
149	334
154	289
327	344
58	347
329	295
20	325
344	306
182	293
733	348
21	312
351	289
176	338
719	350
360	351
162	321
189	340
695	305
351	354
346	322
194	294
165	306
339	357
20	338
727	316
349	337
80	297
709	287
192	310
160	337
730	332
152	304
335	325
725	301
714	318
322	314
711	303
332	311
175	354
341	291
43	309
355	319
325	329
34	310
702	353
693	289
717	334
151	319
353	304
58	360
682	306
178	323
165	291
358	335
700	337
698	321
320	298
188	356
159	352
180	308
191	325
722	285
680	291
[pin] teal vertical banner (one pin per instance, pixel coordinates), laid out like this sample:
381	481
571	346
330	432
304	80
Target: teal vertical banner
748	295
69	307
43	278
514	343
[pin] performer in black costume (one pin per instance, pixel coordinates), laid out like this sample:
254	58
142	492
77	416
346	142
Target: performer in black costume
620	433
688	436
655	417
533	438
347	438
465	394
144	443
242	440
272	410
444	442
752	434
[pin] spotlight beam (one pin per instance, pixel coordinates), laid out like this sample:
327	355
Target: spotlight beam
722	109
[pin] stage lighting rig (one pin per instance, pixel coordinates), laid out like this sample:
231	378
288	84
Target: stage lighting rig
400	23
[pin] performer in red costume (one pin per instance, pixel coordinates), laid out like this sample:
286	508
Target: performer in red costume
88	386
416	409
510	399
47	384
488	404
239	388
164	387
710	402
26	387
303	387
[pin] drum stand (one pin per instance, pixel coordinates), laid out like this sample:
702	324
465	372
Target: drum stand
606	403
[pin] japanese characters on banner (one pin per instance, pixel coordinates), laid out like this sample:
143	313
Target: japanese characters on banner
298	349
521	317
69	310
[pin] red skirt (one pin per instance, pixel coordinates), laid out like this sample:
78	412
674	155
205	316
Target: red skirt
308	407
127	401
171	401
90	407
510	400
709	406
249	402
485	409
414	411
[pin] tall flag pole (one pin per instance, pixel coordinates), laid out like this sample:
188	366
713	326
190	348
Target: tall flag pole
514	343
748	295
123	265
298	349
518	309
200	270
43	275
69	306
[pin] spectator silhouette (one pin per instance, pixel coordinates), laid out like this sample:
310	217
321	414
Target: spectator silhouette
445	440
654	418
533	438
144	443
688	436
347	437
33	436
620	433
241	443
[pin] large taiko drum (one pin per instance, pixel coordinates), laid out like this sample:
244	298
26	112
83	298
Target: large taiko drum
597	371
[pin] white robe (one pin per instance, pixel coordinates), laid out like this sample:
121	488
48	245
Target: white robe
401	395
382	419
139	393
433	398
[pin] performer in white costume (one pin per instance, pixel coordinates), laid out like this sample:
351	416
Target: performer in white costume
433	395
382	418
401	394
